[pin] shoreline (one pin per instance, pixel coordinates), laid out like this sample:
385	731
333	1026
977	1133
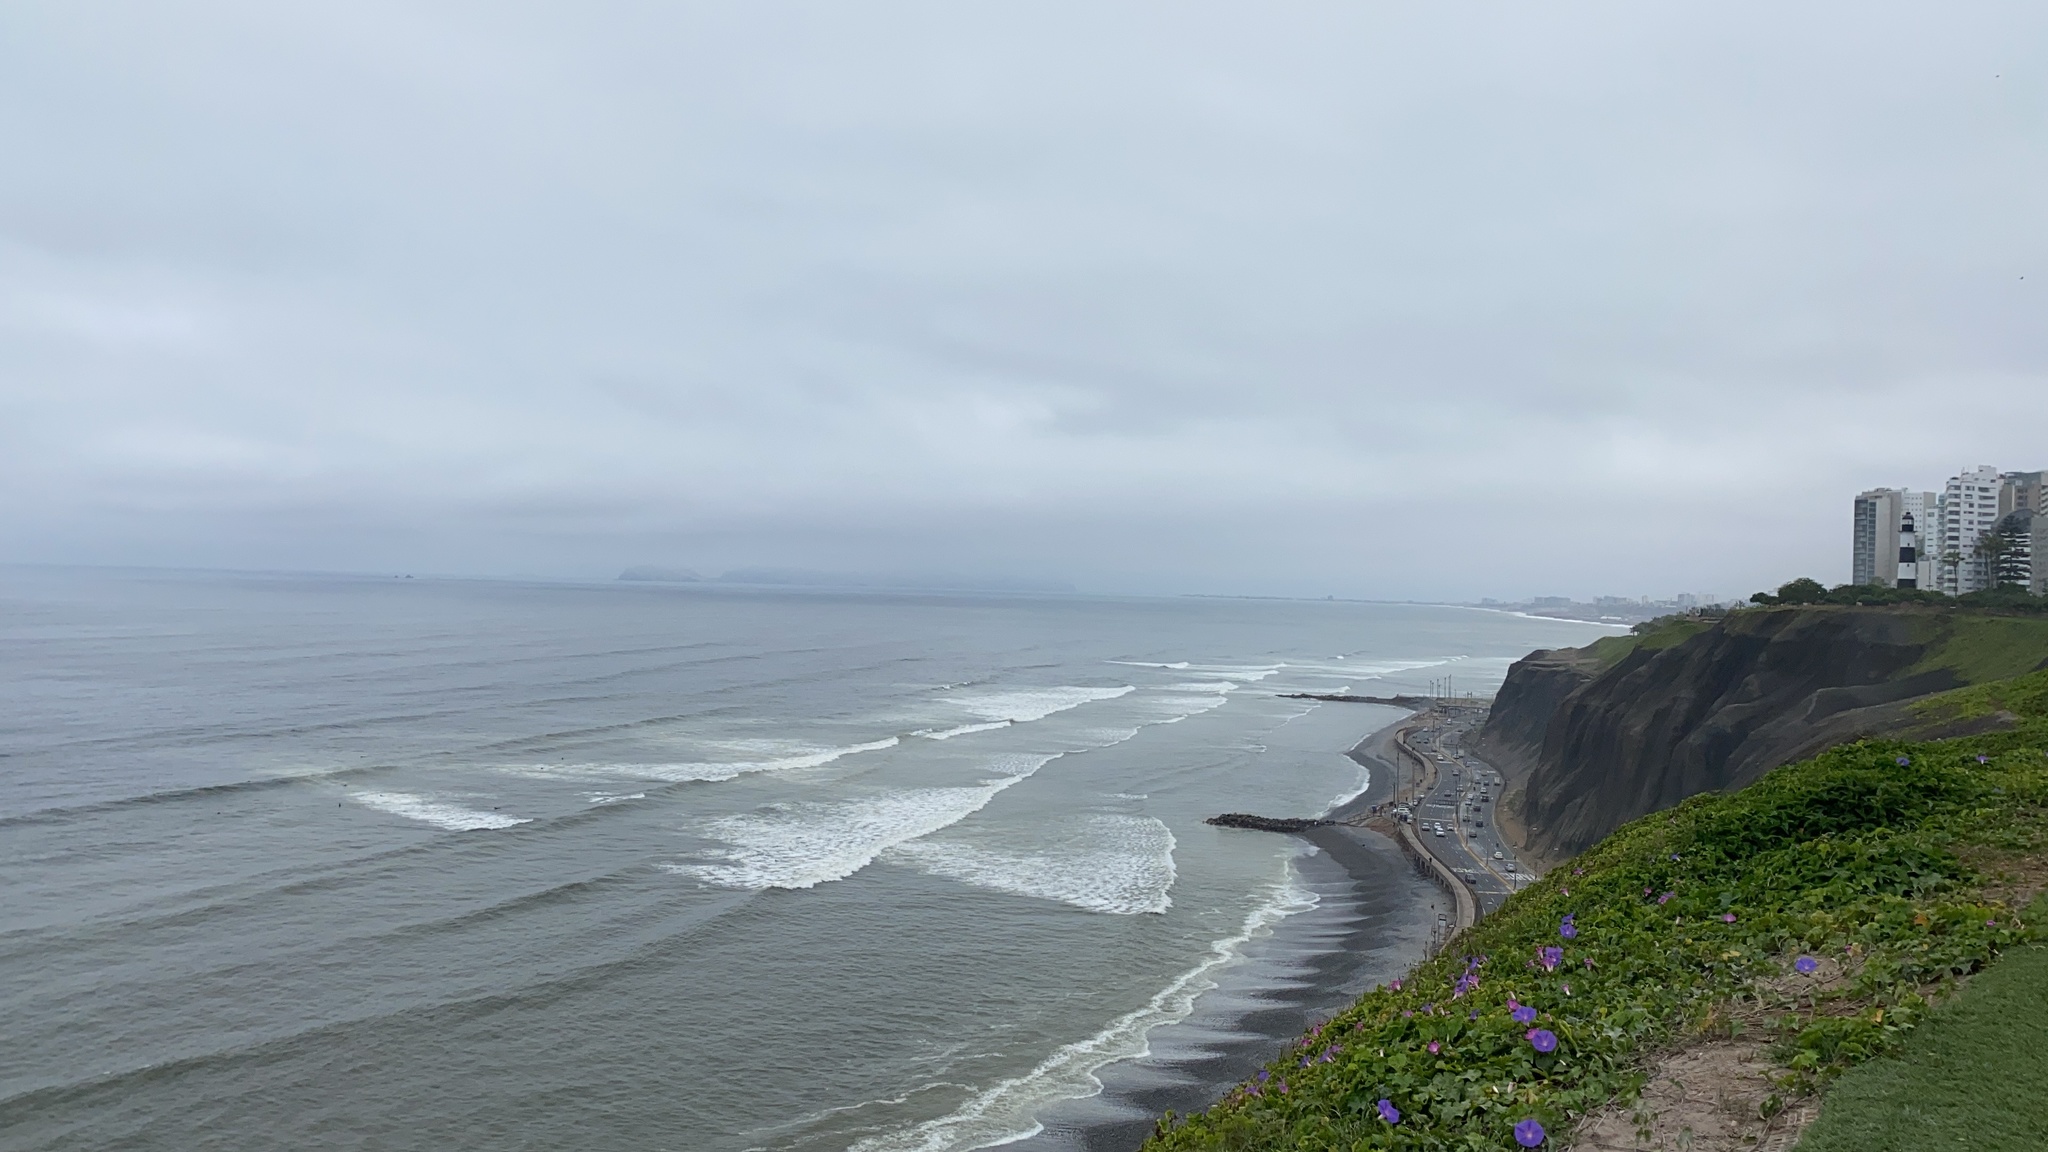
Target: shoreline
1372	924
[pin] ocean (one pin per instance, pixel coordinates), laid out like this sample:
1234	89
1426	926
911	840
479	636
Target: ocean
348	862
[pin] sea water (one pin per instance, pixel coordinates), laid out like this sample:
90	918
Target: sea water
351	862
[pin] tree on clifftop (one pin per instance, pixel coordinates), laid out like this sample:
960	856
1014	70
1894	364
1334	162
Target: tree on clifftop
1804	590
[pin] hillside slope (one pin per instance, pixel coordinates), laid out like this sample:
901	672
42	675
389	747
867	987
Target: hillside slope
1812	919
1592	738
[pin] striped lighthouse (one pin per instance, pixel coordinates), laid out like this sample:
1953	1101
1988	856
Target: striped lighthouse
1909	553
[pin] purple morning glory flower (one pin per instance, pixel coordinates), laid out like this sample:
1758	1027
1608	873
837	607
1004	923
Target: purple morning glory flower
1983	759
1264	1075
1550	957
1529	1133
1665	898
1435	1047
1524	1014
1728	917
1389	1113
1905	760
1806	965
1542	1039
1568	930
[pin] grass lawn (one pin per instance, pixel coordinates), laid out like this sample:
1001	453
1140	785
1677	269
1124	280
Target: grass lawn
1974	1076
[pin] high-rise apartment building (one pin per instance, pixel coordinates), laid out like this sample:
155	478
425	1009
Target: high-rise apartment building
1969	510
1867	543
2019	491
1892	539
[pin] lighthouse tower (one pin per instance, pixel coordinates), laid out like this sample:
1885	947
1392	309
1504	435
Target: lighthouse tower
1909	553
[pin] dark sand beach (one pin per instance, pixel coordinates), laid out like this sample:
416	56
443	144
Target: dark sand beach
1372	924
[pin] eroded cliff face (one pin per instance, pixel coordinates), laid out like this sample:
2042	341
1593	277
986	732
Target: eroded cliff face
1587	750
1536	685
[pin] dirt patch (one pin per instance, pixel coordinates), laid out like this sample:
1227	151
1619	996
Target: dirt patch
2010	877
1721	1091
1711	1096
1718	1092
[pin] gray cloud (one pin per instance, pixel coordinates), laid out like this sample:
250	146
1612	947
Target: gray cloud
1365	299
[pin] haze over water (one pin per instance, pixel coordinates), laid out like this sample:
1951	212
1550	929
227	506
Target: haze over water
337	862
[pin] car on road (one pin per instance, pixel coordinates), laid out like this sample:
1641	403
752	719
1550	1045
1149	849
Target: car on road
1496	855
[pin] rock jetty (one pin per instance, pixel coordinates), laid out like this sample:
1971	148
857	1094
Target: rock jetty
1265	823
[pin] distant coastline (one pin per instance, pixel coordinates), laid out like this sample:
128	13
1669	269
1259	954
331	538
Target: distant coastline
812	578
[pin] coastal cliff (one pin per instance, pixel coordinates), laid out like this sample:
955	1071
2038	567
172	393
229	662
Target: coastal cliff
1594	737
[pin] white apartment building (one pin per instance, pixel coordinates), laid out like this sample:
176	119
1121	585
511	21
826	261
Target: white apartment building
1969	508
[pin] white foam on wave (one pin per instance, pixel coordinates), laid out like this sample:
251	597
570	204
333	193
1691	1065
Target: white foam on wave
1198	705
1180	701
1100	738
1120	865
811	844
613	798
1233	671
1023	705
1343	798
1241	671
1002	1113
1368	669
440	814
767	756
963	730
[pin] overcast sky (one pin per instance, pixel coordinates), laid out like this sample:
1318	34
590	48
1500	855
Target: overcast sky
1400	300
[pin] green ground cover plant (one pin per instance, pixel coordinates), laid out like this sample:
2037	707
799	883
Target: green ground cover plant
1882	863
1983	647
1650	636
1970	1078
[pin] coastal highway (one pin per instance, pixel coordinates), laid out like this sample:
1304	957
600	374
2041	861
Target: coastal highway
1452	789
